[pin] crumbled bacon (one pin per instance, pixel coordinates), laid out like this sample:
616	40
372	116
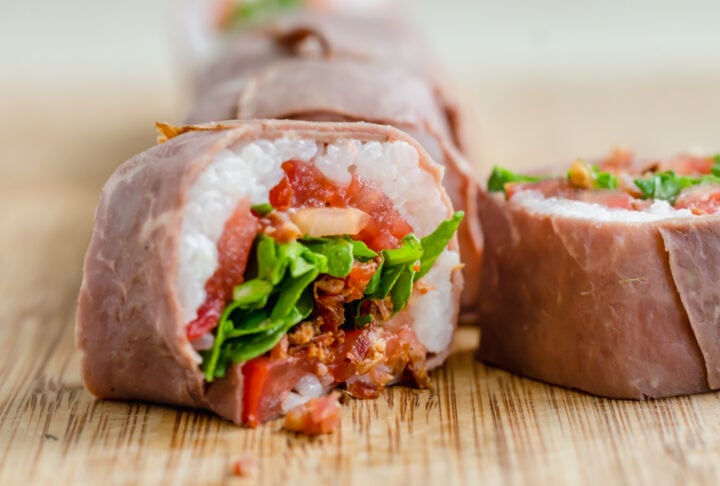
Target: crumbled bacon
280	351
317	416
302	333
381	310
244	466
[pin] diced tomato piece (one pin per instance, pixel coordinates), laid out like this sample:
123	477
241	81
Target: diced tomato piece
691	165
304	185
317	416
208	317
265	381
233	252
702	199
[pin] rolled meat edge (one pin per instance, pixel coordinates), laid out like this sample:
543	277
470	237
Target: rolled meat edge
615	302
145	265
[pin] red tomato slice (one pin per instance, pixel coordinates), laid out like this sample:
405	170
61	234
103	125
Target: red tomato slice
233	252
702	199
265	381
304	185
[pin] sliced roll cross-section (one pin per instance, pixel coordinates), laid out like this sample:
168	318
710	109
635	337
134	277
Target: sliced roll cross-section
248	268
602	278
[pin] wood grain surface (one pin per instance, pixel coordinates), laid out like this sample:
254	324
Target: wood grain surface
476	425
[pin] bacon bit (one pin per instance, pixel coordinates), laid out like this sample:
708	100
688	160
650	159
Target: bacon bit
357	281
329	285
381	310
407	352
280	351
367	351
581	174
277	224
302	333
317	416
244	466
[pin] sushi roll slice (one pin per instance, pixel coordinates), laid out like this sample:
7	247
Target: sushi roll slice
602	277
249	268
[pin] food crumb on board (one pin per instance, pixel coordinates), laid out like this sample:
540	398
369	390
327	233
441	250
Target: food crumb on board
244	465
317	416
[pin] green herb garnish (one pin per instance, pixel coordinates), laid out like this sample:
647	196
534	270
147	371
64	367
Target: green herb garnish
262	209
500	177
668	185
603	180
252	12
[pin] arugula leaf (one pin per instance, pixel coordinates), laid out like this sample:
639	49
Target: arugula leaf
374	282
290	292
434	243
261	343
252	323
269	267
249	12
390	275
666	185
604	180
410	251
402	289
339	254
361	251
262	209
252	294
210	360
500	177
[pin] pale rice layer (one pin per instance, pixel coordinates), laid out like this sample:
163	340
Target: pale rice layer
535	202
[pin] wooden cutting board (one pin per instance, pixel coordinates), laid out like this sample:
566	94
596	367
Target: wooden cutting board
476	425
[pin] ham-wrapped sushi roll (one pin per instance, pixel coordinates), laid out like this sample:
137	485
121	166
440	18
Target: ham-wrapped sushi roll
337	68
603	278
249	267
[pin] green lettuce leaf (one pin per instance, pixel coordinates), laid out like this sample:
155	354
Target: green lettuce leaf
500	177
339	254
434	243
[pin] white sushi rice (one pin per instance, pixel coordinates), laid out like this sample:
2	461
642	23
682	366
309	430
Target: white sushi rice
436	305
538	204
253	169
307	388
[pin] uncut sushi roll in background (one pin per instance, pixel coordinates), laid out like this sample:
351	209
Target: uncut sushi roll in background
334	67
605	279
249	267
204	27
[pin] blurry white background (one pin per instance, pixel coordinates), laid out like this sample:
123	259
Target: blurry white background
542	79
